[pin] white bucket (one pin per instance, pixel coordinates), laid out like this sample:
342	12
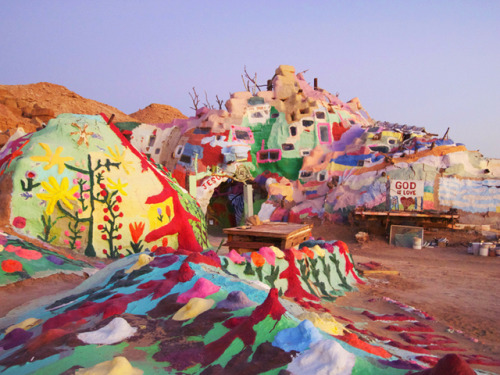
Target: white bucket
475	248
485	249
417	243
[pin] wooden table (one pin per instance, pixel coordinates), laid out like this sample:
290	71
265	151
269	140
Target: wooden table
252	238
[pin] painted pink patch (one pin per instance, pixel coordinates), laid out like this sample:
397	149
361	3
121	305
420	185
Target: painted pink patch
235	257
28	254
268	254
12	248
200	289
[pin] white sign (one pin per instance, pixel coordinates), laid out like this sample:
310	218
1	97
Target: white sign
407	188
408	193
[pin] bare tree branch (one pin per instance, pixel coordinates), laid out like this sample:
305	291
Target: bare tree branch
207	103
252	80
195	98
220	102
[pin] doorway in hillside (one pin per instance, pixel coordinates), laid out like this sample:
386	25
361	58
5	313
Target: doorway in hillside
226	207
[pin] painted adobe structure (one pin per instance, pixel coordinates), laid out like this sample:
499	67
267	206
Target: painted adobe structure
78	183
317	156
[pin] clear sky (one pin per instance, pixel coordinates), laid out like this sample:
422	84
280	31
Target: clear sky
431	63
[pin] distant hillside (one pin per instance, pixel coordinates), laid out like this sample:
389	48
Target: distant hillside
29	106
157	114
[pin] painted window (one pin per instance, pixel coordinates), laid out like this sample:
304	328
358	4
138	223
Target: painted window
275	115
320	115
293	131
185	159
152	141
201	131
324	133
157	151
305	152
242	134
288	146
391	141
268	156
307	123
305	174
178	151
321	176
361	163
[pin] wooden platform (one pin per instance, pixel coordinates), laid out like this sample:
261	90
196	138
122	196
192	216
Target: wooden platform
252	238
417	218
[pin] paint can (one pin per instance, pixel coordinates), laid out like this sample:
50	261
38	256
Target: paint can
475	248
485	249
417	243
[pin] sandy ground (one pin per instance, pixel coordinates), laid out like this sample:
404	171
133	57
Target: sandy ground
461	291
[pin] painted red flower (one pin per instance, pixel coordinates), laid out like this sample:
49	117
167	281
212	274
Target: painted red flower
258	259
308	252
19	222
30	174
11	265
136	230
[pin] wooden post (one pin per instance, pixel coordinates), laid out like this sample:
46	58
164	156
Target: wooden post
111	119
247	200
269	85
445	136
315	83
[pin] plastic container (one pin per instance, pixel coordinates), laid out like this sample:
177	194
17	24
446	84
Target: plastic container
484	250
475	248
417	243
470	248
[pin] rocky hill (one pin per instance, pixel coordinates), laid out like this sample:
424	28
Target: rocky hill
29	106
157	114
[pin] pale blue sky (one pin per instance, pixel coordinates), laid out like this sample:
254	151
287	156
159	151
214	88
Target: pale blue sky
427	63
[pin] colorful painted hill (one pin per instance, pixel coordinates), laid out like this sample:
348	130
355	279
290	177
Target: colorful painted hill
78	183
198	313
311	154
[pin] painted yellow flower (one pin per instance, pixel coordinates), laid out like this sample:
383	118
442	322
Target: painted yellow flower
52	159
55	193
318	250
119	158
117	186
